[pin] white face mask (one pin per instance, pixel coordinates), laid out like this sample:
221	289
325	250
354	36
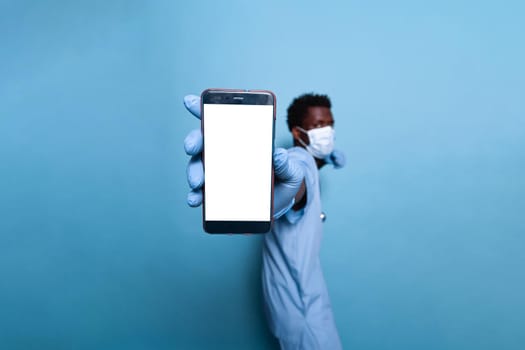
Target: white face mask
321	141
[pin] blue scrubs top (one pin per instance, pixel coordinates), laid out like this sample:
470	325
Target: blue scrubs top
296	299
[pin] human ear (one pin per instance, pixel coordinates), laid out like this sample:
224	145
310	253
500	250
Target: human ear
296	133
300	135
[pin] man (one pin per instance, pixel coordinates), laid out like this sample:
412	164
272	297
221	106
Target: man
296	299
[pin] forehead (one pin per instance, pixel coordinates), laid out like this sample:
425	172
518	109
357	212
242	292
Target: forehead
317	115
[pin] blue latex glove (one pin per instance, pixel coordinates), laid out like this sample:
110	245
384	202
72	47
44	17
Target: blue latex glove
289	174
337	159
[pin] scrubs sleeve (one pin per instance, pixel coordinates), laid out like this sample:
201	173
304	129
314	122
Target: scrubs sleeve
293	216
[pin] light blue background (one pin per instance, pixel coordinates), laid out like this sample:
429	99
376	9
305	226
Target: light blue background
424	239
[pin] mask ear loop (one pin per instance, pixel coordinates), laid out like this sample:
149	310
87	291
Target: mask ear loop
302	143
298	127
299	139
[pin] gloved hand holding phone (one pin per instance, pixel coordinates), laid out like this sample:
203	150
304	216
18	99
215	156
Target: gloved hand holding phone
288	174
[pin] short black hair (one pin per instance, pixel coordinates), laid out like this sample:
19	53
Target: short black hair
299	107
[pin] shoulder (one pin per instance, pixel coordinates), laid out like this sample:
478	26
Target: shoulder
301	155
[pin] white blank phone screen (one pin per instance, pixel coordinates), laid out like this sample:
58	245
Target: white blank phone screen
238	162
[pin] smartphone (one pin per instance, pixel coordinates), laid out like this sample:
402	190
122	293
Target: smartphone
238	129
